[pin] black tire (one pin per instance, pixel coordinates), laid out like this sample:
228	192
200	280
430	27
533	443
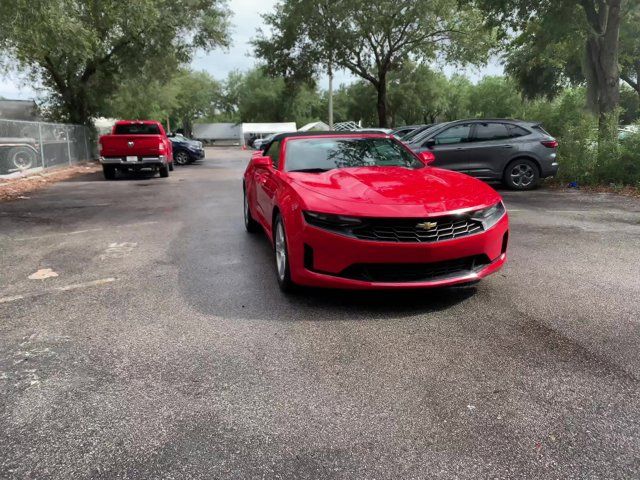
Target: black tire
280	248
249	223
522	174
181	158
171	167
22	158
164	170
109	172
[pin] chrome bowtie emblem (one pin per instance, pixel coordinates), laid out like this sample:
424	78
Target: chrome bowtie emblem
130	144
427	225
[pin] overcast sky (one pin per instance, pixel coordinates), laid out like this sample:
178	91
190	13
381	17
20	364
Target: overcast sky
246	20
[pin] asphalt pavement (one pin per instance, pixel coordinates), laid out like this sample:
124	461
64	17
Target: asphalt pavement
151	341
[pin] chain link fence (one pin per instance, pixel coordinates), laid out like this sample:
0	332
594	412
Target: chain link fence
37	145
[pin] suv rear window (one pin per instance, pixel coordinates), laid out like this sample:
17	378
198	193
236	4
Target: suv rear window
137	129
540	129
516	131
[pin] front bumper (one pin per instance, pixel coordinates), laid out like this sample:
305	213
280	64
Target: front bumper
320	258
141	162
196	154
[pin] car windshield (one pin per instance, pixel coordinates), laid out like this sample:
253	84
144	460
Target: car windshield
322	154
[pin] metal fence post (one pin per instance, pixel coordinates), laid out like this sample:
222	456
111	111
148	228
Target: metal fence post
69	142
41	145
86	144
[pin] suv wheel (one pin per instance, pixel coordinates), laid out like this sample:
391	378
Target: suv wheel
522	174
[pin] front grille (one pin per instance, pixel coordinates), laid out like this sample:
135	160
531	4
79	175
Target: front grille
414	272
400	230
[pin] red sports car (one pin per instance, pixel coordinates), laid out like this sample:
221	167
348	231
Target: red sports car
361	211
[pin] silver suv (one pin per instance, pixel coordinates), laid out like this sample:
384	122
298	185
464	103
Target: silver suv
515	152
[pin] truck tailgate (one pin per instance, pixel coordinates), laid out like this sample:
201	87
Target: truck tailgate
131	145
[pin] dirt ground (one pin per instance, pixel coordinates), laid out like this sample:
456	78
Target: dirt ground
21	187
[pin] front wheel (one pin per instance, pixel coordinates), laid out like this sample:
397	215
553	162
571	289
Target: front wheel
164	170
171	167
283	272
181	158
522	174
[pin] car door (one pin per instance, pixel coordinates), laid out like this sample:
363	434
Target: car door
449	145
489	150
266	184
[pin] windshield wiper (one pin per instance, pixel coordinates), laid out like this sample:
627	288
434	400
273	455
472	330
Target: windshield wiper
311	170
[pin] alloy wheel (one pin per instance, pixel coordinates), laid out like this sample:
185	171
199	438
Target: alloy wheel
246	210
522	175
281	251
181	158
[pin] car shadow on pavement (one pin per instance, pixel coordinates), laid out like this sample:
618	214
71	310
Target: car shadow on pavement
246	288
382	301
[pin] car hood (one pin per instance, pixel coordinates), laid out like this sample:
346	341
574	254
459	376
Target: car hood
431	189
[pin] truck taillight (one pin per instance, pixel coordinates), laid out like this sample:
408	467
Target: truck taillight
99	147
161	147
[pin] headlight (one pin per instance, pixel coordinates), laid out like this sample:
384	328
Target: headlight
331	222
489	216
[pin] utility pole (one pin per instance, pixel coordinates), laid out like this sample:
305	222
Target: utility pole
330	70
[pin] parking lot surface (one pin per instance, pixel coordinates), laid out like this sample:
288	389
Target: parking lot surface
152	342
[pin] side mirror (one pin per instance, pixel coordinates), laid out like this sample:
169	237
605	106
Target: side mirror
427	157
262	162
430	143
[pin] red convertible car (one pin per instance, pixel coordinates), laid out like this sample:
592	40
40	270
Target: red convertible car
361	211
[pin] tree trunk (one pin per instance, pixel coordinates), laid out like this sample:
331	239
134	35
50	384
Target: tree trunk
382	102
603	73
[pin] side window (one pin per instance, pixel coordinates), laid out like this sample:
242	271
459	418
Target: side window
274	153
516	131
491	131
457	134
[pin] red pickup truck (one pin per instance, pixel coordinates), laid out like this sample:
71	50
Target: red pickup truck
135	145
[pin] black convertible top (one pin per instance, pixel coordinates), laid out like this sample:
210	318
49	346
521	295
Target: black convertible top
282	136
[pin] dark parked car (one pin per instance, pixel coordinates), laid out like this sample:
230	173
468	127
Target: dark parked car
186	150
516	152
406	130
408	137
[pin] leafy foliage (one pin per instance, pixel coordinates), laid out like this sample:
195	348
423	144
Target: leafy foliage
371	39
81	51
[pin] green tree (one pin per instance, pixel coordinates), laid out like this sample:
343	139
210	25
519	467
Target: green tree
417	95
185	97
495	97
630	46
371	39
82	51
546	31
457	98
